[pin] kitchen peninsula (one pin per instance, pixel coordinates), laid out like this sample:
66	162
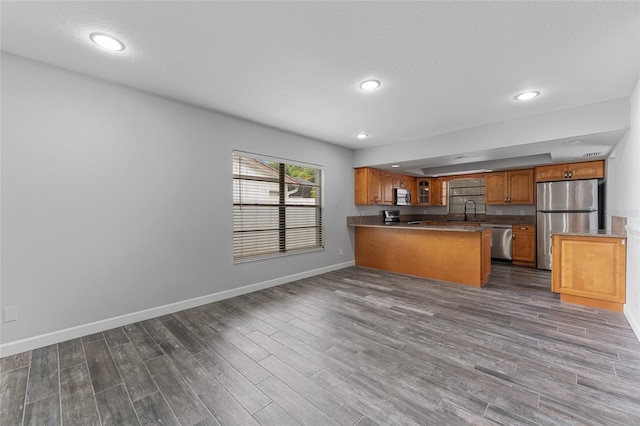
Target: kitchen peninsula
458	254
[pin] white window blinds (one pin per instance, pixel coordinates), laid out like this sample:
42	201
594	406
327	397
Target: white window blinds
463	190
277	207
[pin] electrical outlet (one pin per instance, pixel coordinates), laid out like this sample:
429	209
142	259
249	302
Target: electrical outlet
340	252
521	212
10	314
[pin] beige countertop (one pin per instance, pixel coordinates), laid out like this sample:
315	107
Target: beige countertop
405	225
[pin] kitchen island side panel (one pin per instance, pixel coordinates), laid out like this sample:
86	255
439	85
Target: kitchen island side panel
458	257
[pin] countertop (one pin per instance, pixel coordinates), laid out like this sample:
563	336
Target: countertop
605	233
443	227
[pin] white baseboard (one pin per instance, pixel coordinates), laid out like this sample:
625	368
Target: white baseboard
12	348
632	322
632	234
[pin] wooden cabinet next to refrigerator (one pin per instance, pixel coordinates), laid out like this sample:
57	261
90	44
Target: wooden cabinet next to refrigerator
523	246
589	270
570	171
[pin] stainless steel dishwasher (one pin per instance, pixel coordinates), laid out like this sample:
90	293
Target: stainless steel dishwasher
501	241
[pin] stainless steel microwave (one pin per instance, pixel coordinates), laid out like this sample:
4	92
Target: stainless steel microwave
401	197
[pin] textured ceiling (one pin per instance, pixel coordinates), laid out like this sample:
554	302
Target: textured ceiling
444	66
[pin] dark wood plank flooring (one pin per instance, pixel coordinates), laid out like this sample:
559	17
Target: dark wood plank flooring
351	347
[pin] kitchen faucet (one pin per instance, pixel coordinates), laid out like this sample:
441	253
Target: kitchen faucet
474	209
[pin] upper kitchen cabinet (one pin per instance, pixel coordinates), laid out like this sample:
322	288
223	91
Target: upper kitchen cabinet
402	181
571	171
424	191
430	192
373	186
368	186
388	181
438	192
511	187
391	181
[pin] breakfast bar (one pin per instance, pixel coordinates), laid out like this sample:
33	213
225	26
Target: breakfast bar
457	254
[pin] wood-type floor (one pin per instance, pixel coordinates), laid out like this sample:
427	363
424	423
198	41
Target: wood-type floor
351	347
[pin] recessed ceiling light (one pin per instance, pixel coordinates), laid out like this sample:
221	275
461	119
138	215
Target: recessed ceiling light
362	135
370	85
107	42
395	166
525	96
576	142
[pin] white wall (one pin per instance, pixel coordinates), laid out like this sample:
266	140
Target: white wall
623	199
583	120
116	202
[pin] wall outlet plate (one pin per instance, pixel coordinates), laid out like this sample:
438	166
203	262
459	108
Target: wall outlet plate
10	314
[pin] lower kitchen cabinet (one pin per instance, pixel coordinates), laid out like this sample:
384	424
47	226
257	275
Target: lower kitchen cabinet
524	245
589	270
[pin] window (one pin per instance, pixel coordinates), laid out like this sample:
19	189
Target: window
277	207
463	190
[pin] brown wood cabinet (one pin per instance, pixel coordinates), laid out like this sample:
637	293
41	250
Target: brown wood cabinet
438	192
430	192
462	257
524	245
510	187
402	181
368	186
570	171
413	187
374	186
387	188
589	270
424	191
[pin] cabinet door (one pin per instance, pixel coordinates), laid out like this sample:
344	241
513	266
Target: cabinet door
524	243
388	181
551	173
402	181
374	186
495	188
361	186
520	186
587	170
413	187
438	192
589	267
424	191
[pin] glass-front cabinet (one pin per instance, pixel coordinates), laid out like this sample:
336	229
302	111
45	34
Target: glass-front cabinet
424	186
432	191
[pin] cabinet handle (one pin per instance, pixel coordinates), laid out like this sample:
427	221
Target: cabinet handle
513	236
570	174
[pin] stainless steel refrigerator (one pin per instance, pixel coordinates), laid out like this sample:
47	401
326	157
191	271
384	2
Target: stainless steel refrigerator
565	206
